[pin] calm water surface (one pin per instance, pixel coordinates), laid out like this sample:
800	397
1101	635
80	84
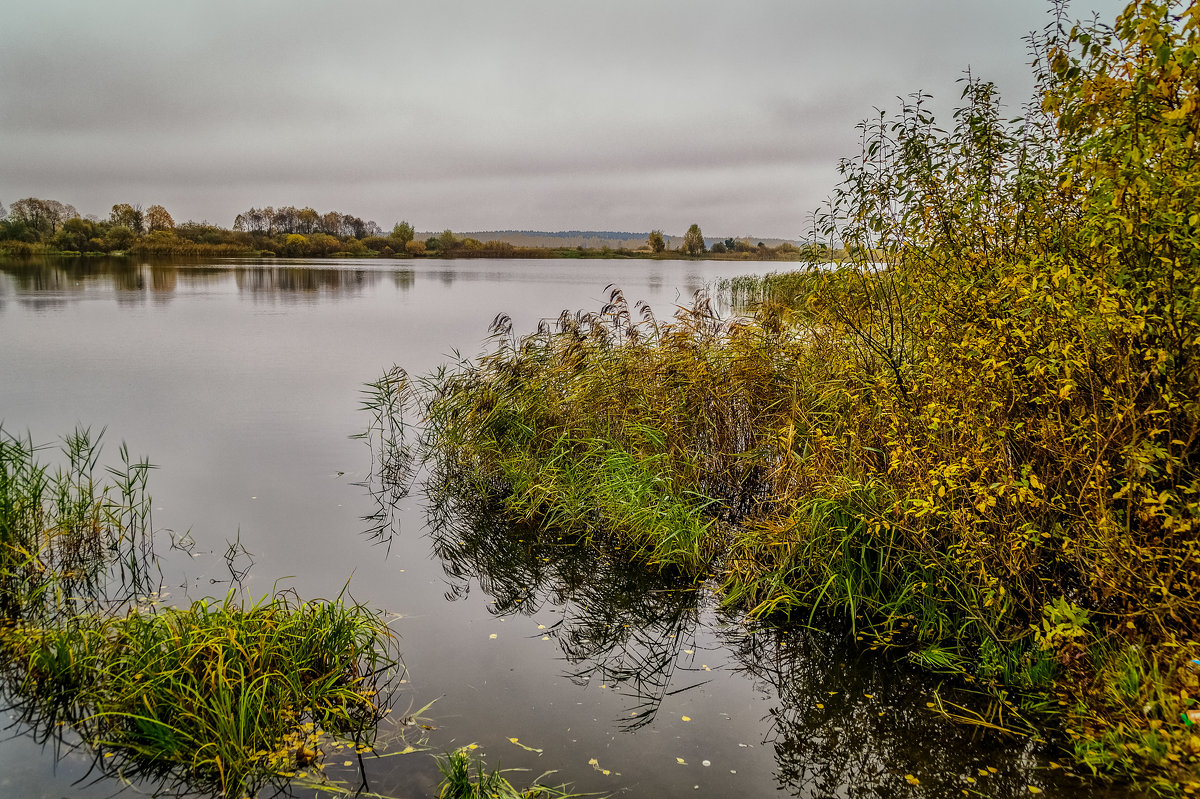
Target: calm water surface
241	381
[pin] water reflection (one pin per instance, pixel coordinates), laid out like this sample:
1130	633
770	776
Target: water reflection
291	283
842	721
388	402
846	718
620	624
50	284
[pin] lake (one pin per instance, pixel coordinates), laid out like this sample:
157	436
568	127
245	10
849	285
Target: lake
242	382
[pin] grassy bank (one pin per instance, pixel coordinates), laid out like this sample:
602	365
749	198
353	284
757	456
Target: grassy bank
979	443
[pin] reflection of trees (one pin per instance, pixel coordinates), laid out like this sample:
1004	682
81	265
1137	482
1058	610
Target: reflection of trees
620	623
849	722
289	282
51	281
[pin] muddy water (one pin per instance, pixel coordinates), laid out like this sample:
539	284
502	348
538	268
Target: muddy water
242	381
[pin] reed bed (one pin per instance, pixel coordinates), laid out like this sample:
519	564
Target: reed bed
977	436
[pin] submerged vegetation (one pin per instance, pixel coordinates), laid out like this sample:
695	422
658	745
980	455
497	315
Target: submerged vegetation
977	437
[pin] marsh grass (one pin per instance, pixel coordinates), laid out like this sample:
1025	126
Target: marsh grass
218	691
222	697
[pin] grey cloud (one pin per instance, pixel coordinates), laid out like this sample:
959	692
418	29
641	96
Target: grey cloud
524	113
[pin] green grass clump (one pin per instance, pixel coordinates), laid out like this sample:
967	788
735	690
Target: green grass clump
223	693
458	782
220	697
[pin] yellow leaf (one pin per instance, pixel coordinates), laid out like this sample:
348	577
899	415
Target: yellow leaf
911	780
686	718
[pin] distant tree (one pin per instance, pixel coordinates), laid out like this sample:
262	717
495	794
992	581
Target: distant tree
43	217
719	247
730	244
404	232
693	241
307	221
119	237
75	234
353	226
414	247
433	243
447	241
285	220
294	245
127	216
323	244
656	241
157	218
331	223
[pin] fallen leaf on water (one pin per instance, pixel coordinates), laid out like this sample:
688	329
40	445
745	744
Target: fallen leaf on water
1033	789
681	761
523	746
347	762
493	635
911	780
594	763
686	718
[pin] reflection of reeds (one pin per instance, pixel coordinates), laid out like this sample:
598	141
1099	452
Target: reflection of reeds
69	541
389	401
843	718
619	623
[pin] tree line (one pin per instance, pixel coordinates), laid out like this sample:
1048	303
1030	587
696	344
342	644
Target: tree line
33	225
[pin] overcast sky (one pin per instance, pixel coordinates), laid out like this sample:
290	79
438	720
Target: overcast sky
483	115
